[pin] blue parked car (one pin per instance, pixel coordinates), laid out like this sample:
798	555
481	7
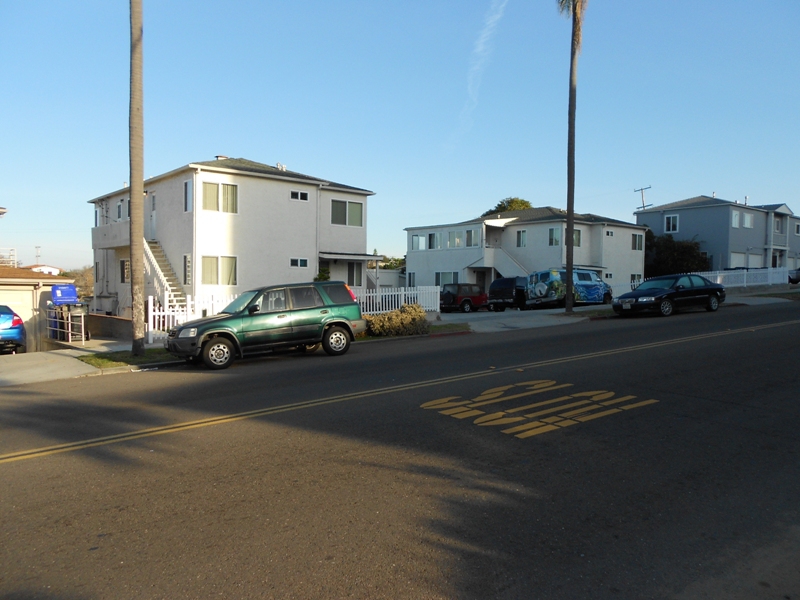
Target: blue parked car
12	331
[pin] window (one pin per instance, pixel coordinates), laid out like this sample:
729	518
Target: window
210	270
418	242
473	238
347	213
96	217
298	262
230	198
119	211
354	274
96	272
305	297
153	202
446	277
272	300
735	219
187	269
637	241
576	238
229	202
636	279
554	236
522	238
609	276
747	220
125	270
671	223
129	209
609	233
777	225
227	267
434	241
797	229
455	239
187	196
295	195
412	280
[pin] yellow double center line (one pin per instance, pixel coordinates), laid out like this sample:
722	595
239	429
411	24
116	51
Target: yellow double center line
143	433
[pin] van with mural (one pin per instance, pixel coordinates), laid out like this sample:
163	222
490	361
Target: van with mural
550	287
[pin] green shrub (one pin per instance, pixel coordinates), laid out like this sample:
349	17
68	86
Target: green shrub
408	320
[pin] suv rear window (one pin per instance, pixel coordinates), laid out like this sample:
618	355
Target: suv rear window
451	288
338	293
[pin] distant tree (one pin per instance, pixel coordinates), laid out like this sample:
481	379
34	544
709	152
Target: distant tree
666	256
508	204
393	263
84	280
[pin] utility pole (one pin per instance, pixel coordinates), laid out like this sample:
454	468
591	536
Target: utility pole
37	254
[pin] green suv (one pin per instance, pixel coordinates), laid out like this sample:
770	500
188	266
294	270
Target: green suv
299	315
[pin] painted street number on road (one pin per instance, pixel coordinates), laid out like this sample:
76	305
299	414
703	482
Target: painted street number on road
538	417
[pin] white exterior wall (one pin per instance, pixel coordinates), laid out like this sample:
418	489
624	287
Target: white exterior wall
612	255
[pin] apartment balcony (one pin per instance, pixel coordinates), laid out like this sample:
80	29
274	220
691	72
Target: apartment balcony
780	240
113	235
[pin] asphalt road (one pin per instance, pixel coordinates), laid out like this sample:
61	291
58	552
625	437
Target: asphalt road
636	458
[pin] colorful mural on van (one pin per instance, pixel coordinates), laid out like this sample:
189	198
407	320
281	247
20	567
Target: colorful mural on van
546	287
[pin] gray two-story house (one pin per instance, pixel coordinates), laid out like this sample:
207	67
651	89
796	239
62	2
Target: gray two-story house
731	234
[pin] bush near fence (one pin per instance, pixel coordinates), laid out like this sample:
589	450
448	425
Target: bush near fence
409	319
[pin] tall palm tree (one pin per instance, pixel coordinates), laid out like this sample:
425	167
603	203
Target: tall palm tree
575	9
136	150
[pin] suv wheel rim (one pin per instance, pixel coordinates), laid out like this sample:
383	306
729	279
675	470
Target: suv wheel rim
219	354
337	341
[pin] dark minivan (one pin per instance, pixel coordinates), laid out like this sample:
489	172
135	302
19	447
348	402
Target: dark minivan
507	292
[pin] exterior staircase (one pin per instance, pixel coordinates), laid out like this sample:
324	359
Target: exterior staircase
177	297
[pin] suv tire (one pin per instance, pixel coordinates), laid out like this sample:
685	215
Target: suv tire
466	306
336	341
218	353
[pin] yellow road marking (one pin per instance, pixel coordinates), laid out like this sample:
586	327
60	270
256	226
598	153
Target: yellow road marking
133	435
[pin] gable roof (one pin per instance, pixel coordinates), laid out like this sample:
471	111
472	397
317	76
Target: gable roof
7	273
243	165
706	201
534	215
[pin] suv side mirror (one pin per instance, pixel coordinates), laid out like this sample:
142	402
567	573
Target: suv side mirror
253	309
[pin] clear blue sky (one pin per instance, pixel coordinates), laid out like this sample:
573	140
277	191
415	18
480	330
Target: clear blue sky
442	108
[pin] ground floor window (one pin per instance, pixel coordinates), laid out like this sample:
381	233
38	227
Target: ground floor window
354	274
412	280
125	270
445	277
187	269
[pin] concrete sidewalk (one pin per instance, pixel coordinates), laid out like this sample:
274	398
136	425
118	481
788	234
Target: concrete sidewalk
35	367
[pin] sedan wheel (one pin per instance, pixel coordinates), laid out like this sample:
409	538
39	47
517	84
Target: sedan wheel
218	353
713	303
666	308
336	341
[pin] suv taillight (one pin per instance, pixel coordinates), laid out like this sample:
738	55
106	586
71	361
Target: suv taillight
349	291
16	321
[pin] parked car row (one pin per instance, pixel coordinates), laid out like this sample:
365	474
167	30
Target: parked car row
661	294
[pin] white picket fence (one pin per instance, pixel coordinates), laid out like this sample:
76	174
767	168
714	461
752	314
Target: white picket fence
160	319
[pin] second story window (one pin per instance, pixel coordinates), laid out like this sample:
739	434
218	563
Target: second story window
735	219
434	241
297	195
576	238
347	213
522	238
226	201
671	224
636	241
747	220
418	242
473	238
554	236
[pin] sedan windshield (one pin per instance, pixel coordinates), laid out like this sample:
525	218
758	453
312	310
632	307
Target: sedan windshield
240	302
657	284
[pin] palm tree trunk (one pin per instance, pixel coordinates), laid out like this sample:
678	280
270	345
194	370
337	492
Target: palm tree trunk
577	18
136	146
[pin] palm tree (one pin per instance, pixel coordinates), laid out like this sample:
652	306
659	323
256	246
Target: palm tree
136	147
575	9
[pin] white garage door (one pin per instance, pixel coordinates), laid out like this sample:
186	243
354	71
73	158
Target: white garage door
738	259
18	300
754	261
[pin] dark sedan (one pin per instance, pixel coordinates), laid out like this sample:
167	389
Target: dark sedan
669	293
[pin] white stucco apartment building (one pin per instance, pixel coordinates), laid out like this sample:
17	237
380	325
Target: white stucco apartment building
517	243
224	226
